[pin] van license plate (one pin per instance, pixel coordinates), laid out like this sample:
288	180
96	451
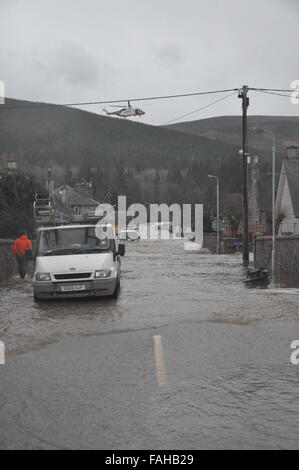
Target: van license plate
75	288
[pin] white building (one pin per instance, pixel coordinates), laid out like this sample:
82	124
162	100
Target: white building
287	199
260	196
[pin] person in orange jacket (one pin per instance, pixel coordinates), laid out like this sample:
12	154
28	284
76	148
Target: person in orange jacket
22	248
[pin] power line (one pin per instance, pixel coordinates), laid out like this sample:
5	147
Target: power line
271	89
89	103
198	109
151	98
276	94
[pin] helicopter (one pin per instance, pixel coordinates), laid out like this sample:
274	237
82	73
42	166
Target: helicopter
127	111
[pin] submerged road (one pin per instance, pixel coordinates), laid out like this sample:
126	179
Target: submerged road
186	358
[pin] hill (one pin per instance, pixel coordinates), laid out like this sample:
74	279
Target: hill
115	153
46	135
228	129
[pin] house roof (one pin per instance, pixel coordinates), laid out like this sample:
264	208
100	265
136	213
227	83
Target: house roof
73	198
62	208
292	174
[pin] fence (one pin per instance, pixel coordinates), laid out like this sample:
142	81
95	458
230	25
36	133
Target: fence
287	253
8	265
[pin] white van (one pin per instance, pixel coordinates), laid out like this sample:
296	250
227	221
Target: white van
77	261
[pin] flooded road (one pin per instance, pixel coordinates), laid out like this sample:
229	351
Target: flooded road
83	374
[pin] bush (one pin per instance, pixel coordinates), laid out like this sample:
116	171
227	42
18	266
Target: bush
17	194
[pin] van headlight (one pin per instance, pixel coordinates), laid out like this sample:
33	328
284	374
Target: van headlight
43	277
102	273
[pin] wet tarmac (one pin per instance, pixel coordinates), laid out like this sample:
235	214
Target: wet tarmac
83	374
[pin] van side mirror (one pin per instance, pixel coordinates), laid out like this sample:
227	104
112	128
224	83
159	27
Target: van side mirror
121	249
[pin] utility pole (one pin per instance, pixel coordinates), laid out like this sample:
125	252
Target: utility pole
273	257
218	218
245	103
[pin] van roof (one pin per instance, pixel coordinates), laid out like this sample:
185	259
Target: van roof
62	227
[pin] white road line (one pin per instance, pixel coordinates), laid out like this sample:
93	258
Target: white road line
160	363
284	291
2	353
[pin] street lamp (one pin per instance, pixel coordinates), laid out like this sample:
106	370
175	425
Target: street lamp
218	221
273	257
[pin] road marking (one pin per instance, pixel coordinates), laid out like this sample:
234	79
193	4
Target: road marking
285	291
160	363
2	353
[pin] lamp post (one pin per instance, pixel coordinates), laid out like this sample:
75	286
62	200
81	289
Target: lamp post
273	256
218	205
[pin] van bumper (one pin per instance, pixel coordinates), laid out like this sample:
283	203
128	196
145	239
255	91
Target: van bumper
94	288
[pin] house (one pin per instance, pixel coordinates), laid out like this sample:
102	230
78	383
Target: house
287	199
8	161
11	162
260	197
74	201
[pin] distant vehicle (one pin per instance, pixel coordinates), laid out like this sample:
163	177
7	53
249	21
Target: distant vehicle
127	111
129	233
163	226
74	261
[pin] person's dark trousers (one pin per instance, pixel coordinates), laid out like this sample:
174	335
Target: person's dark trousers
23	264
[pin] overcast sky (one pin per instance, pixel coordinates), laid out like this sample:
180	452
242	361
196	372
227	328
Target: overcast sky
83	50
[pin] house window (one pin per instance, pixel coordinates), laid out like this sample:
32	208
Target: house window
77	210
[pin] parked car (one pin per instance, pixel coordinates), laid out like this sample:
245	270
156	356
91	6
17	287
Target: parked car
77	261
129	233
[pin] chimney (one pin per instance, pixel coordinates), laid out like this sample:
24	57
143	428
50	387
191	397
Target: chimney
62	194
292	151
255	168
84	188
255	162
11	163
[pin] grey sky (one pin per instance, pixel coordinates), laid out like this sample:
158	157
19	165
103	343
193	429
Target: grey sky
81	50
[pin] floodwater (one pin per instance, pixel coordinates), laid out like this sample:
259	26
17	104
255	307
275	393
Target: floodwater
161	285
227	351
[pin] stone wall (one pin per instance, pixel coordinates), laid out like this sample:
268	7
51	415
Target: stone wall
287	253
8	265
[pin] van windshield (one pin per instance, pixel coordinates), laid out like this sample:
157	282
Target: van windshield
67	241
